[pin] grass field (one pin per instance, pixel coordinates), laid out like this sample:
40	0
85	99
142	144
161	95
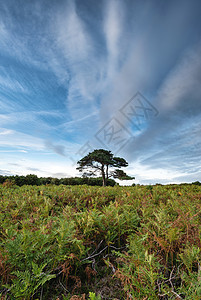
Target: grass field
81	242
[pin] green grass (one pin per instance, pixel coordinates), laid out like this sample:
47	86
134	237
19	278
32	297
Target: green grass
140	242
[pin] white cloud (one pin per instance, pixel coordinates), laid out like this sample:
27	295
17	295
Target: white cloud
177	99
15	164
6	82
6	132
149	175
16	139
182	81
74	42
113	30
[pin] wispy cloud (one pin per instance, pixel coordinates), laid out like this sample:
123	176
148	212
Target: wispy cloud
6	132
177	99
59	149
113	31
172	140
74	41
15	139
155	42
182	82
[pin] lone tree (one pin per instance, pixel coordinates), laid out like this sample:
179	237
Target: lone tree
101	160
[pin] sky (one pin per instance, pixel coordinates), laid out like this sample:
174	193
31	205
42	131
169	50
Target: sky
121	75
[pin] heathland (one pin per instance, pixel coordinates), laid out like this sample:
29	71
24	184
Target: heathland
89	242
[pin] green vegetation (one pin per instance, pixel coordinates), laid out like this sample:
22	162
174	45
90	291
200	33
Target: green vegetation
83	242
32	179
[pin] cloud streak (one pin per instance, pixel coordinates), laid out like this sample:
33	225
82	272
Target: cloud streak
59	149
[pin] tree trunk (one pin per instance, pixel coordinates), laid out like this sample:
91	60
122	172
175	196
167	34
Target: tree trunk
106	174
103	175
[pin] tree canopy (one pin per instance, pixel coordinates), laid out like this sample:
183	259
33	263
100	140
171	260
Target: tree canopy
102	161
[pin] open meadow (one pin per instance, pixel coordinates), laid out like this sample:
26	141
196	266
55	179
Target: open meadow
82	242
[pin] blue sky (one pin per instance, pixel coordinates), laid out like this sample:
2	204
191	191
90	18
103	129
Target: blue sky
82	75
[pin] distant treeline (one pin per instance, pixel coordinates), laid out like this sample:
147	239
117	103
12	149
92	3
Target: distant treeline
35	180
32	179
196	183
